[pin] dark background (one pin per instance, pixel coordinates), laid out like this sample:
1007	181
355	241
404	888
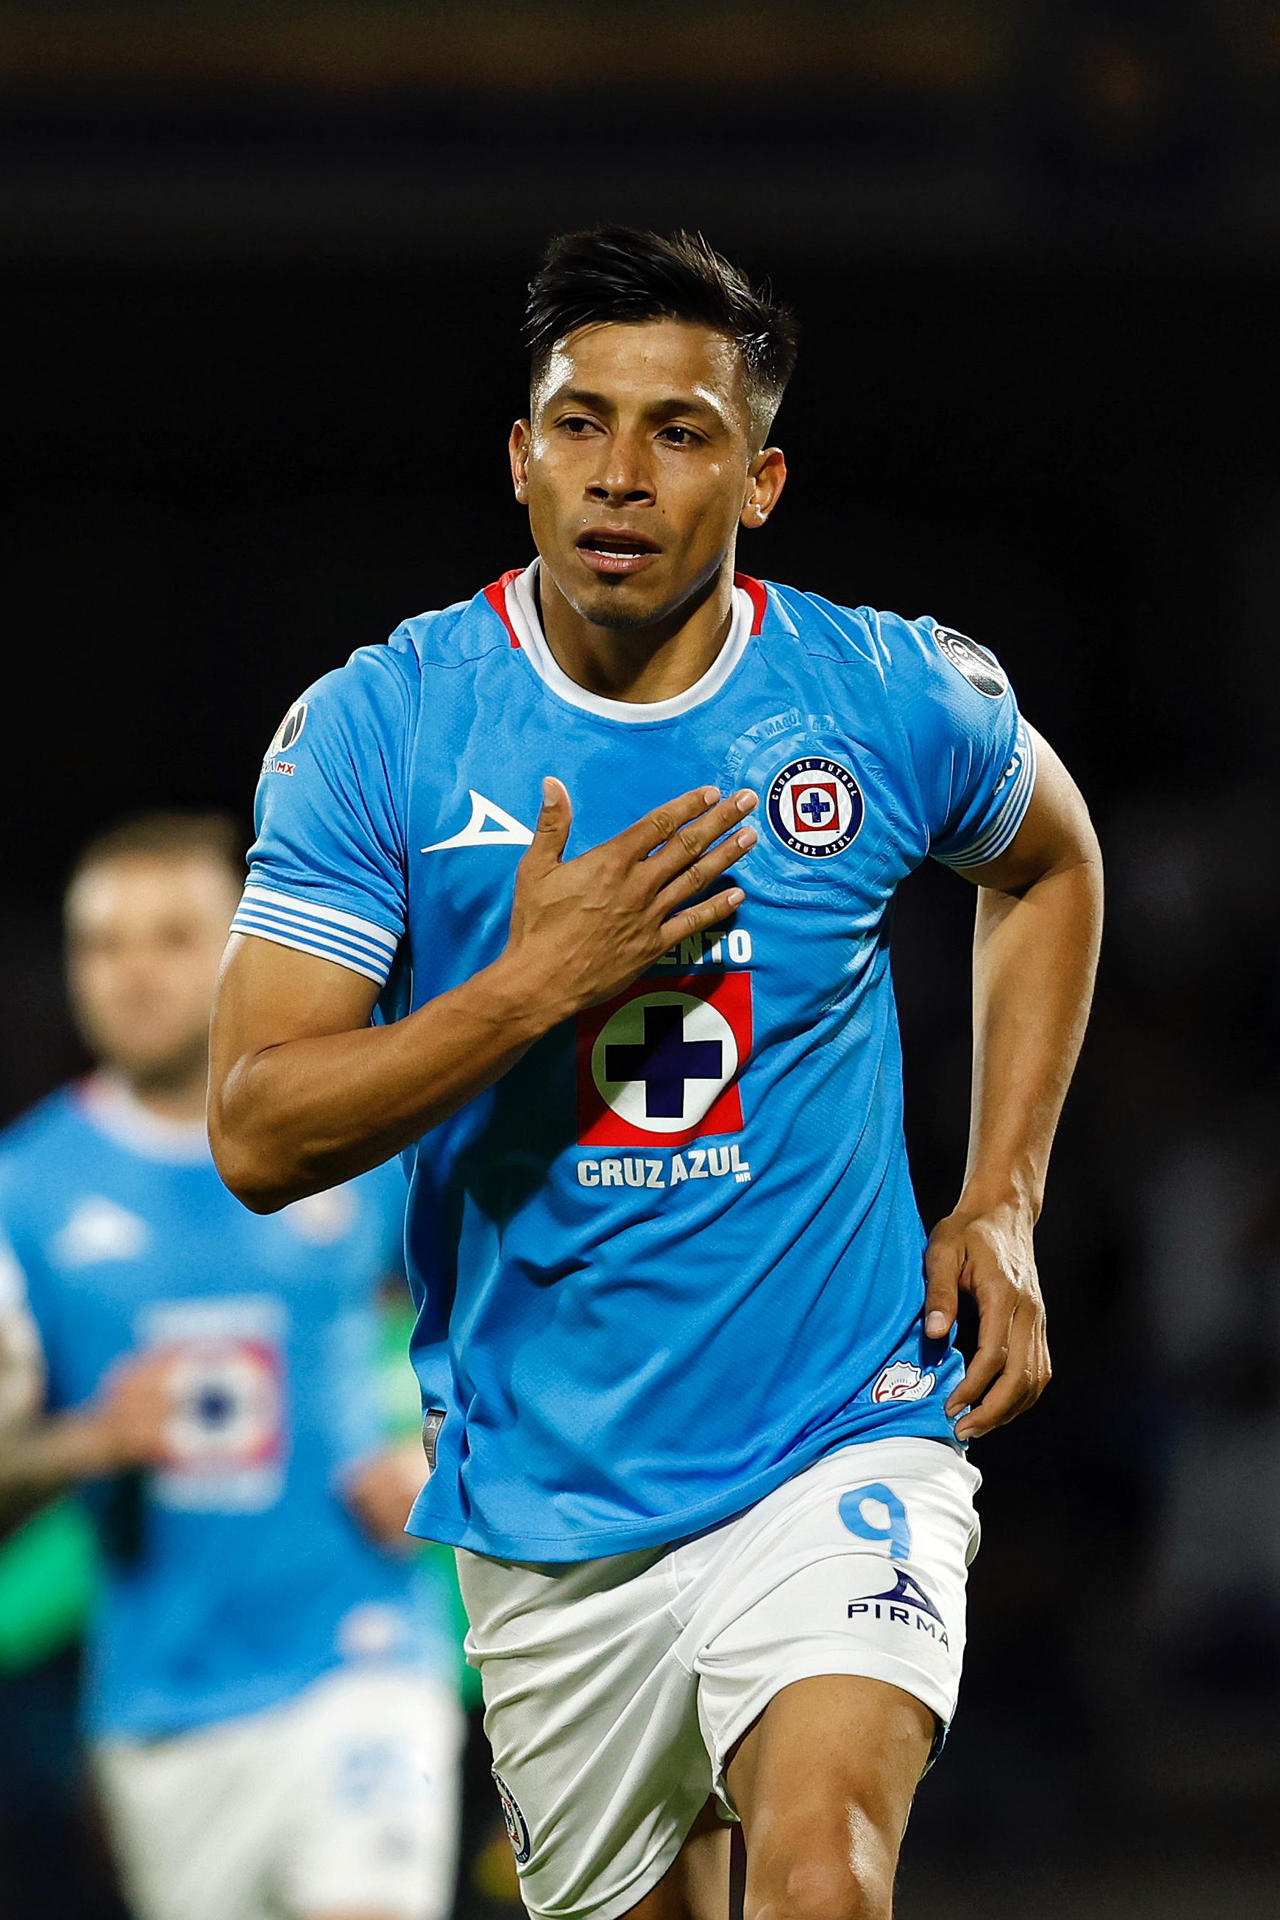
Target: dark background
263	290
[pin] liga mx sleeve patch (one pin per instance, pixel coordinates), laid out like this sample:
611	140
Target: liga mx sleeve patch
978	665
658	1065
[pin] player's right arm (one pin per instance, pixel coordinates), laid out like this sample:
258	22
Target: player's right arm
304	1093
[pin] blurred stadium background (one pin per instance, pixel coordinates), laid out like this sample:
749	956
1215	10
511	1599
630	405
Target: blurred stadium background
264	267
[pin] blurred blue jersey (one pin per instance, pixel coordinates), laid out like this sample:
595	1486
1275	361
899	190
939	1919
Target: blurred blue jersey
235	1575
672	1256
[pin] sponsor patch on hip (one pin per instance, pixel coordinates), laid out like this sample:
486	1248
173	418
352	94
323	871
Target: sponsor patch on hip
902	1381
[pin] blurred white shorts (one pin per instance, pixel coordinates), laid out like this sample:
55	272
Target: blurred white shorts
615	1689
342	1800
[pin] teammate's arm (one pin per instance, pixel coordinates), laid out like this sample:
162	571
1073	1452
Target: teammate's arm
1039	920
41	1454
305	1093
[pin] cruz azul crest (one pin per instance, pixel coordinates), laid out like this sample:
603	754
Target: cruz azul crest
815	807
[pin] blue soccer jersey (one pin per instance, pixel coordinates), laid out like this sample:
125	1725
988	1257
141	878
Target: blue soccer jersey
234	1575
673	1255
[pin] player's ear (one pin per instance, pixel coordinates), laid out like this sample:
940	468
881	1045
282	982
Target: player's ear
518	450
767	476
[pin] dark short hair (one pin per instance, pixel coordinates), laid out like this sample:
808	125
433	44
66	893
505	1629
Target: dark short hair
167	836
627	274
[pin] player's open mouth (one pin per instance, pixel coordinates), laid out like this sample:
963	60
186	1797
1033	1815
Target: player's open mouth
609	552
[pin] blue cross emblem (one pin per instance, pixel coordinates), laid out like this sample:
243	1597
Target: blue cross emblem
815	808
663	1061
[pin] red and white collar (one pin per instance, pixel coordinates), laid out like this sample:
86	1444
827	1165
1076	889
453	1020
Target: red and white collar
514	598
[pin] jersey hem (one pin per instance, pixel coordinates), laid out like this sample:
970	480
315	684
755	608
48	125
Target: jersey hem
664	1531
106	1728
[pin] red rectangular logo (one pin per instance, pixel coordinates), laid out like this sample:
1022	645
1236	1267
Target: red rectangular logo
815	806
658	1065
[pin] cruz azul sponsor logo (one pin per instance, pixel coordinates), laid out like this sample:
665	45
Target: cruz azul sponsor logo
815	807
658	1065
903	1605
902	1381
691	1163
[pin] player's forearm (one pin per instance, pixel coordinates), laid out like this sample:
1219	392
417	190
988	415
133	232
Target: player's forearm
1035	955
295	1118
39	1462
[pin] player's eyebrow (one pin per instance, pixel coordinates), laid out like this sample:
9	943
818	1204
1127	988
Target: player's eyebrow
668	408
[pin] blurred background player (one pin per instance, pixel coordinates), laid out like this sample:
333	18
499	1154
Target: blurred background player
271	1689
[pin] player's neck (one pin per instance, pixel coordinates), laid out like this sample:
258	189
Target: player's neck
179	1095
640	664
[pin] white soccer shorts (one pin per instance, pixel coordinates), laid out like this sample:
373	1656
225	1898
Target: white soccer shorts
615	1689
341	1800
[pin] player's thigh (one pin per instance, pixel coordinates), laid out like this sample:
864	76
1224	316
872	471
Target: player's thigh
191	1834
696	1884
375	1772
823	1782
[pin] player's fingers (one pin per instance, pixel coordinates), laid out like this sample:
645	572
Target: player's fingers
656	828
704	871
697	919
551	833
943	1259
139	1375
687	845
994	1332
1017	1387
1046	1360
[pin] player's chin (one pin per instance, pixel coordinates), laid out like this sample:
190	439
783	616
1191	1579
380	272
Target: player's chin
630	600
623	603
152	1057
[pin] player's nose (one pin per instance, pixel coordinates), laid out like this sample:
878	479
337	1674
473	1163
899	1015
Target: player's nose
623	476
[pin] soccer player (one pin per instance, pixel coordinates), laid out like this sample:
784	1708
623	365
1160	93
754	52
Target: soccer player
271	1693
613	848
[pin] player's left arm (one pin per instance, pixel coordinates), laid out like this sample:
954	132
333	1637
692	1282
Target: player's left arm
1035	952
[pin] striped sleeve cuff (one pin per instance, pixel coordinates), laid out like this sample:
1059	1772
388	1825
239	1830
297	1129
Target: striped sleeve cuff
1018	782
311	928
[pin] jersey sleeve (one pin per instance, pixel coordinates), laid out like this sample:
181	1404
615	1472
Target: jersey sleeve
970	751
327	869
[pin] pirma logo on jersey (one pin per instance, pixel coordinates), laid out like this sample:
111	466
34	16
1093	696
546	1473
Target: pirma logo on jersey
658	1064
815	807
516	1824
